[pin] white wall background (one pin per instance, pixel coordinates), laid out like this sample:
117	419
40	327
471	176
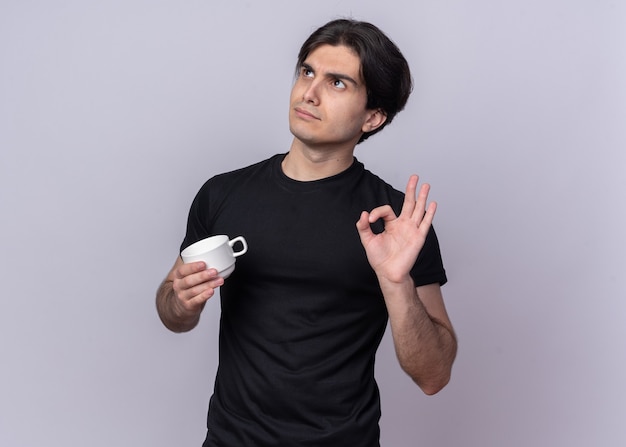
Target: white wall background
113	113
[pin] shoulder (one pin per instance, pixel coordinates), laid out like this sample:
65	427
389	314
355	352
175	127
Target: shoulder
384	192
261	166
230	179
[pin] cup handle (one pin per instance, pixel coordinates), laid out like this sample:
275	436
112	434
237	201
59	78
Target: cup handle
243	242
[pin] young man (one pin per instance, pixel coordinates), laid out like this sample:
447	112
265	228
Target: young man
307	305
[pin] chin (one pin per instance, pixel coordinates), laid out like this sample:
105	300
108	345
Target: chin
299	134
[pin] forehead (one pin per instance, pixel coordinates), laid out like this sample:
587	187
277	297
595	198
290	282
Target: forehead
338	59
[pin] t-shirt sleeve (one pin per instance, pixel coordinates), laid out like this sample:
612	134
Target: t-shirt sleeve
428	268
197	220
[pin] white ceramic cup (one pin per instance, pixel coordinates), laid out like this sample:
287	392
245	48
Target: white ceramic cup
216	252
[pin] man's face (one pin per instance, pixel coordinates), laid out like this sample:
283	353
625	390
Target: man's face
328	99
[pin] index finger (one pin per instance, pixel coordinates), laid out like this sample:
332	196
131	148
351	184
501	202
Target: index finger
179	270
182	269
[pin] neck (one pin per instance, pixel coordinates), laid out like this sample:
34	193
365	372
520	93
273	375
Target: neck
304	163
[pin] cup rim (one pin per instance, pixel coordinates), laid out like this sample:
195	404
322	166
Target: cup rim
205	245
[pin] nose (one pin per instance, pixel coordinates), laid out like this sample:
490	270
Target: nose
310	93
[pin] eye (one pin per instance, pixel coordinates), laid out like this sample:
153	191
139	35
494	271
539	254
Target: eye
307	72
339	84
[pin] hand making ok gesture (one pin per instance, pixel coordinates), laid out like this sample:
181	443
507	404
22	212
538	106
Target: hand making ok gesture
393	252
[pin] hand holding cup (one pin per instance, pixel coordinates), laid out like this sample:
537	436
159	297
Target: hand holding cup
216	252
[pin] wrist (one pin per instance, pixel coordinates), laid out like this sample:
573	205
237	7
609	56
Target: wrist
173	313
398	291
396	281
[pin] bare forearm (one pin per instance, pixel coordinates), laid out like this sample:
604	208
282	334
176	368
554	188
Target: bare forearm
171	313
426	350
425	346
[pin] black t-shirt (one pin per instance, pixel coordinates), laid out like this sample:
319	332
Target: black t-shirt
302	314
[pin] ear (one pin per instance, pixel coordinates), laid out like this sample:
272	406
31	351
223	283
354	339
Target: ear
375	119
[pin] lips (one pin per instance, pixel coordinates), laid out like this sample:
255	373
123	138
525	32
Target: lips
305	113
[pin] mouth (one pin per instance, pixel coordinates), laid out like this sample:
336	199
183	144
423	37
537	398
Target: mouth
304	113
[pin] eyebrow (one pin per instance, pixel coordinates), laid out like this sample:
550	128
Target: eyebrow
340	76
